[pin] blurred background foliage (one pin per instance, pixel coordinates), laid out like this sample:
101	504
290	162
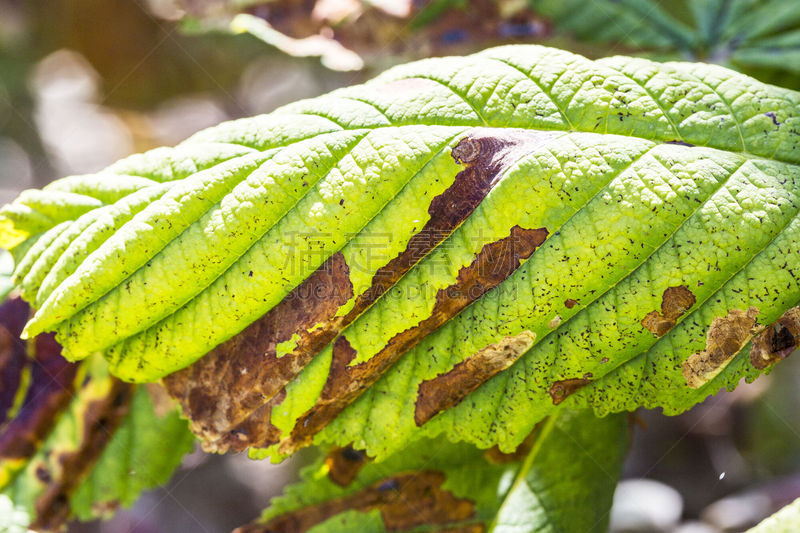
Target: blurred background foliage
85	82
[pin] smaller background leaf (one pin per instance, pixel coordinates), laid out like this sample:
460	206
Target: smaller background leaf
567	481
142	454
561	479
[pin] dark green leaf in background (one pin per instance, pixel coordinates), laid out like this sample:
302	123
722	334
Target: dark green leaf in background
561	479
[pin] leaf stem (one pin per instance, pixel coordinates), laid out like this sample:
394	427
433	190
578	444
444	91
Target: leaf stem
527	464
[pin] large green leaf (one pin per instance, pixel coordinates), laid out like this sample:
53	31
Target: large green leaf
561	479
460	246
74	441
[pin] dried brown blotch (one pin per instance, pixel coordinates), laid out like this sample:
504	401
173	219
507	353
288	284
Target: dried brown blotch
777	341
450	388
100	420
493	264
344	464
569	303
725	338
674	303
237	378
561	390
405	501
49	392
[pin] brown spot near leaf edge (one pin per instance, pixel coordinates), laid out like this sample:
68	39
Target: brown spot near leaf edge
344	464
237	378
49	392
405	501
492	265
777	341
450	388
674	303
495	456
561	390
725	338
569	303
101	419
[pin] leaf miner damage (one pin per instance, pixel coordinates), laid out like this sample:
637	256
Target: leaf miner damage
240	375
450	388
725	338
674	303
562	389
777	341
492	265
228	394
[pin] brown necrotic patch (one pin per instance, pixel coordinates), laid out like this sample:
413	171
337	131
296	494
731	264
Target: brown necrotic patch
100	420
561	390
726	336
240	375
344	464
404	501
777	341
674	303
494	263
235	380
449	389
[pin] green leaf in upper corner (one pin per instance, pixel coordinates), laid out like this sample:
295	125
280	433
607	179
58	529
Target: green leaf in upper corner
74	441
638	23
460	247
562	478
787	520
758	37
